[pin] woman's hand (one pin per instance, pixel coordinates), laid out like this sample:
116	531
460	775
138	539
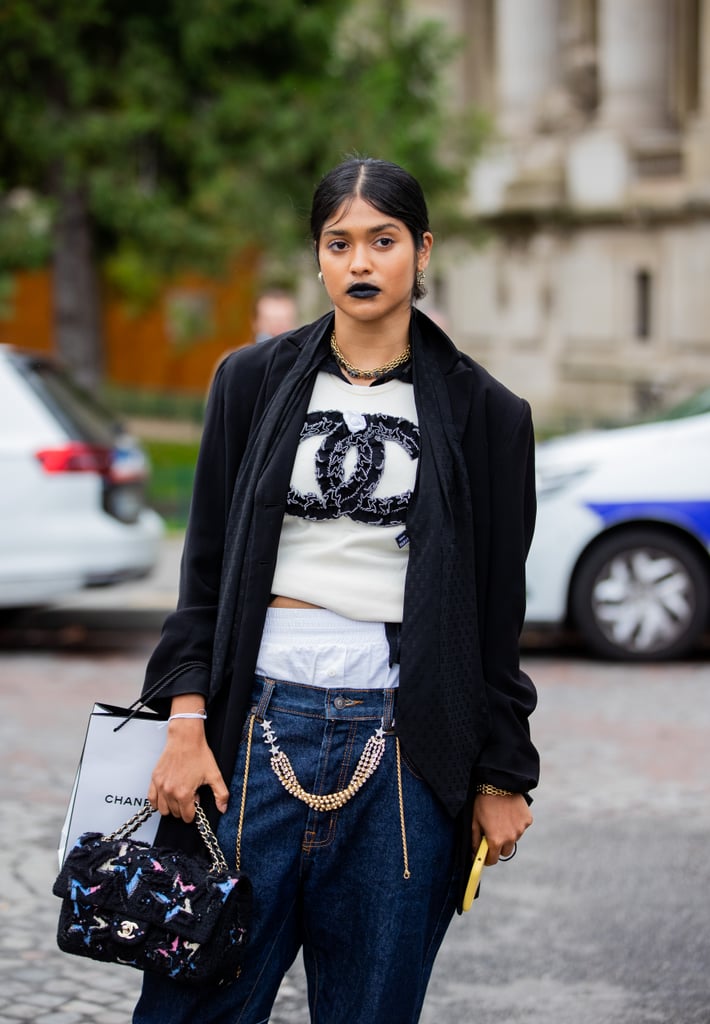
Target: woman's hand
502	820
186	764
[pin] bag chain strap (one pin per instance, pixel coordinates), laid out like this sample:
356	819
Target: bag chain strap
218	865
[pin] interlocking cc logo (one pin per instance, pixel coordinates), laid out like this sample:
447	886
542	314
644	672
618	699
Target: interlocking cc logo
352	495
127	930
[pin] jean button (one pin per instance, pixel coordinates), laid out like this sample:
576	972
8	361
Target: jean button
340	703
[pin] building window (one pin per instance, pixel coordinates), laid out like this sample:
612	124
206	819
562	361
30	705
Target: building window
643	284
686	41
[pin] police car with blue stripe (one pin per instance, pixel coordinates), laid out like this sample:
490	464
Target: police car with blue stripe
622	546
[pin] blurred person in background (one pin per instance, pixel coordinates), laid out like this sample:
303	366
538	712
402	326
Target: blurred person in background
274	313
344	658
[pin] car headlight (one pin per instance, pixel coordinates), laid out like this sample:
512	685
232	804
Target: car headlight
552	480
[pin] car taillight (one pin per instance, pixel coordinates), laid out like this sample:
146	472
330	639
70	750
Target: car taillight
76	457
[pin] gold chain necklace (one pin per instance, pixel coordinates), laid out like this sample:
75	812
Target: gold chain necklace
377	372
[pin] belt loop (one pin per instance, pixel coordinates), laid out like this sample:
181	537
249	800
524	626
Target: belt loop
393	635
269	686
388	711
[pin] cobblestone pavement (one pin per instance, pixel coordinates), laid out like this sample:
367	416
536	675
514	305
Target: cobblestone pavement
602	918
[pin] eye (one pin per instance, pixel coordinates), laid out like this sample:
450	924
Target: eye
337	245
385	242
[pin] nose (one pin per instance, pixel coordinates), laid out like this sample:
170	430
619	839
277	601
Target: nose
360	259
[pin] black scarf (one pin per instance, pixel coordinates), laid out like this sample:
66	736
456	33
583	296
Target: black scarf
442	717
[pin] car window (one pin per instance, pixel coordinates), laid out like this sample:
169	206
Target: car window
78	412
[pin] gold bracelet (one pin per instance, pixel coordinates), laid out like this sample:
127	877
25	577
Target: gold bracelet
487	790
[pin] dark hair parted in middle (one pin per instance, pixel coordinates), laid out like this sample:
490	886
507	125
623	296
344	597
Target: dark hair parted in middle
386	186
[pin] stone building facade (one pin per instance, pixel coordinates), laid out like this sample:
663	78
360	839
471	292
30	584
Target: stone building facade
590	292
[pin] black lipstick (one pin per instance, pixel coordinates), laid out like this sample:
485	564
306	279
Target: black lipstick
363	291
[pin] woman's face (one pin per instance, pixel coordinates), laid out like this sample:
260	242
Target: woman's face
369	261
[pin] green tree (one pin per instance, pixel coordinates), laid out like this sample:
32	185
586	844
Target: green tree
154	135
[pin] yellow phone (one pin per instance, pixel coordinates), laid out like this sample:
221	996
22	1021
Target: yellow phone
474	878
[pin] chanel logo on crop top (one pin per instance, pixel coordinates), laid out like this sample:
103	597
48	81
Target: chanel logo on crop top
352	495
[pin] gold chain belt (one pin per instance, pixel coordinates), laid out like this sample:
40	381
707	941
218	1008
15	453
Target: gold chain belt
367	765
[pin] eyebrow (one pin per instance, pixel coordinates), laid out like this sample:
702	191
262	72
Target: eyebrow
371	231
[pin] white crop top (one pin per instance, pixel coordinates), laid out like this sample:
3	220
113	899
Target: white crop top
343	543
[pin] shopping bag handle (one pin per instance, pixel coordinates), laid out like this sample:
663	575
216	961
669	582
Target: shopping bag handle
153	691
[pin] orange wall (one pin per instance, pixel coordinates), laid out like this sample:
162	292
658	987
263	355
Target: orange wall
30	324
149	350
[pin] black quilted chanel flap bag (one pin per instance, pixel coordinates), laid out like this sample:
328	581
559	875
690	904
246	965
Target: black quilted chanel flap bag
158	910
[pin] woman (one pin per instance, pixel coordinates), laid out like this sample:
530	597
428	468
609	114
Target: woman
351	597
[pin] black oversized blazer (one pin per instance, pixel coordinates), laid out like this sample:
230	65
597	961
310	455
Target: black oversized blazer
496	436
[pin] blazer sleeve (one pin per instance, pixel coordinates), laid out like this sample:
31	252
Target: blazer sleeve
508	759
181	661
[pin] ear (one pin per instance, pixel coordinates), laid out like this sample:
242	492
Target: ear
424	251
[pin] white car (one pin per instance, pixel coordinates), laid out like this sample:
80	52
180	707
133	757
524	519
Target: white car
622	546
72	510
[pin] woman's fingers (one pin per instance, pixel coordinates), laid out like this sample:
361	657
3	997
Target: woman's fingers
177	777
502	820
219	789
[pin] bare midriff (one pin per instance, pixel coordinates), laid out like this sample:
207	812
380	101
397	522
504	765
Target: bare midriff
290	602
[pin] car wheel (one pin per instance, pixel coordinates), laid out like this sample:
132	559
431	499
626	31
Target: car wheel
641	595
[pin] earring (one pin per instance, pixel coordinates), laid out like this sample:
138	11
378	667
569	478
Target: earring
320	276
420	278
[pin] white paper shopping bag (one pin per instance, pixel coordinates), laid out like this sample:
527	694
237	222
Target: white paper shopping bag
112	780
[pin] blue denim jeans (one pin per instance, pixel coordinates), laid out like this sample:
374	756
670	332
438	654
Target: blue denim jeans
331	883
